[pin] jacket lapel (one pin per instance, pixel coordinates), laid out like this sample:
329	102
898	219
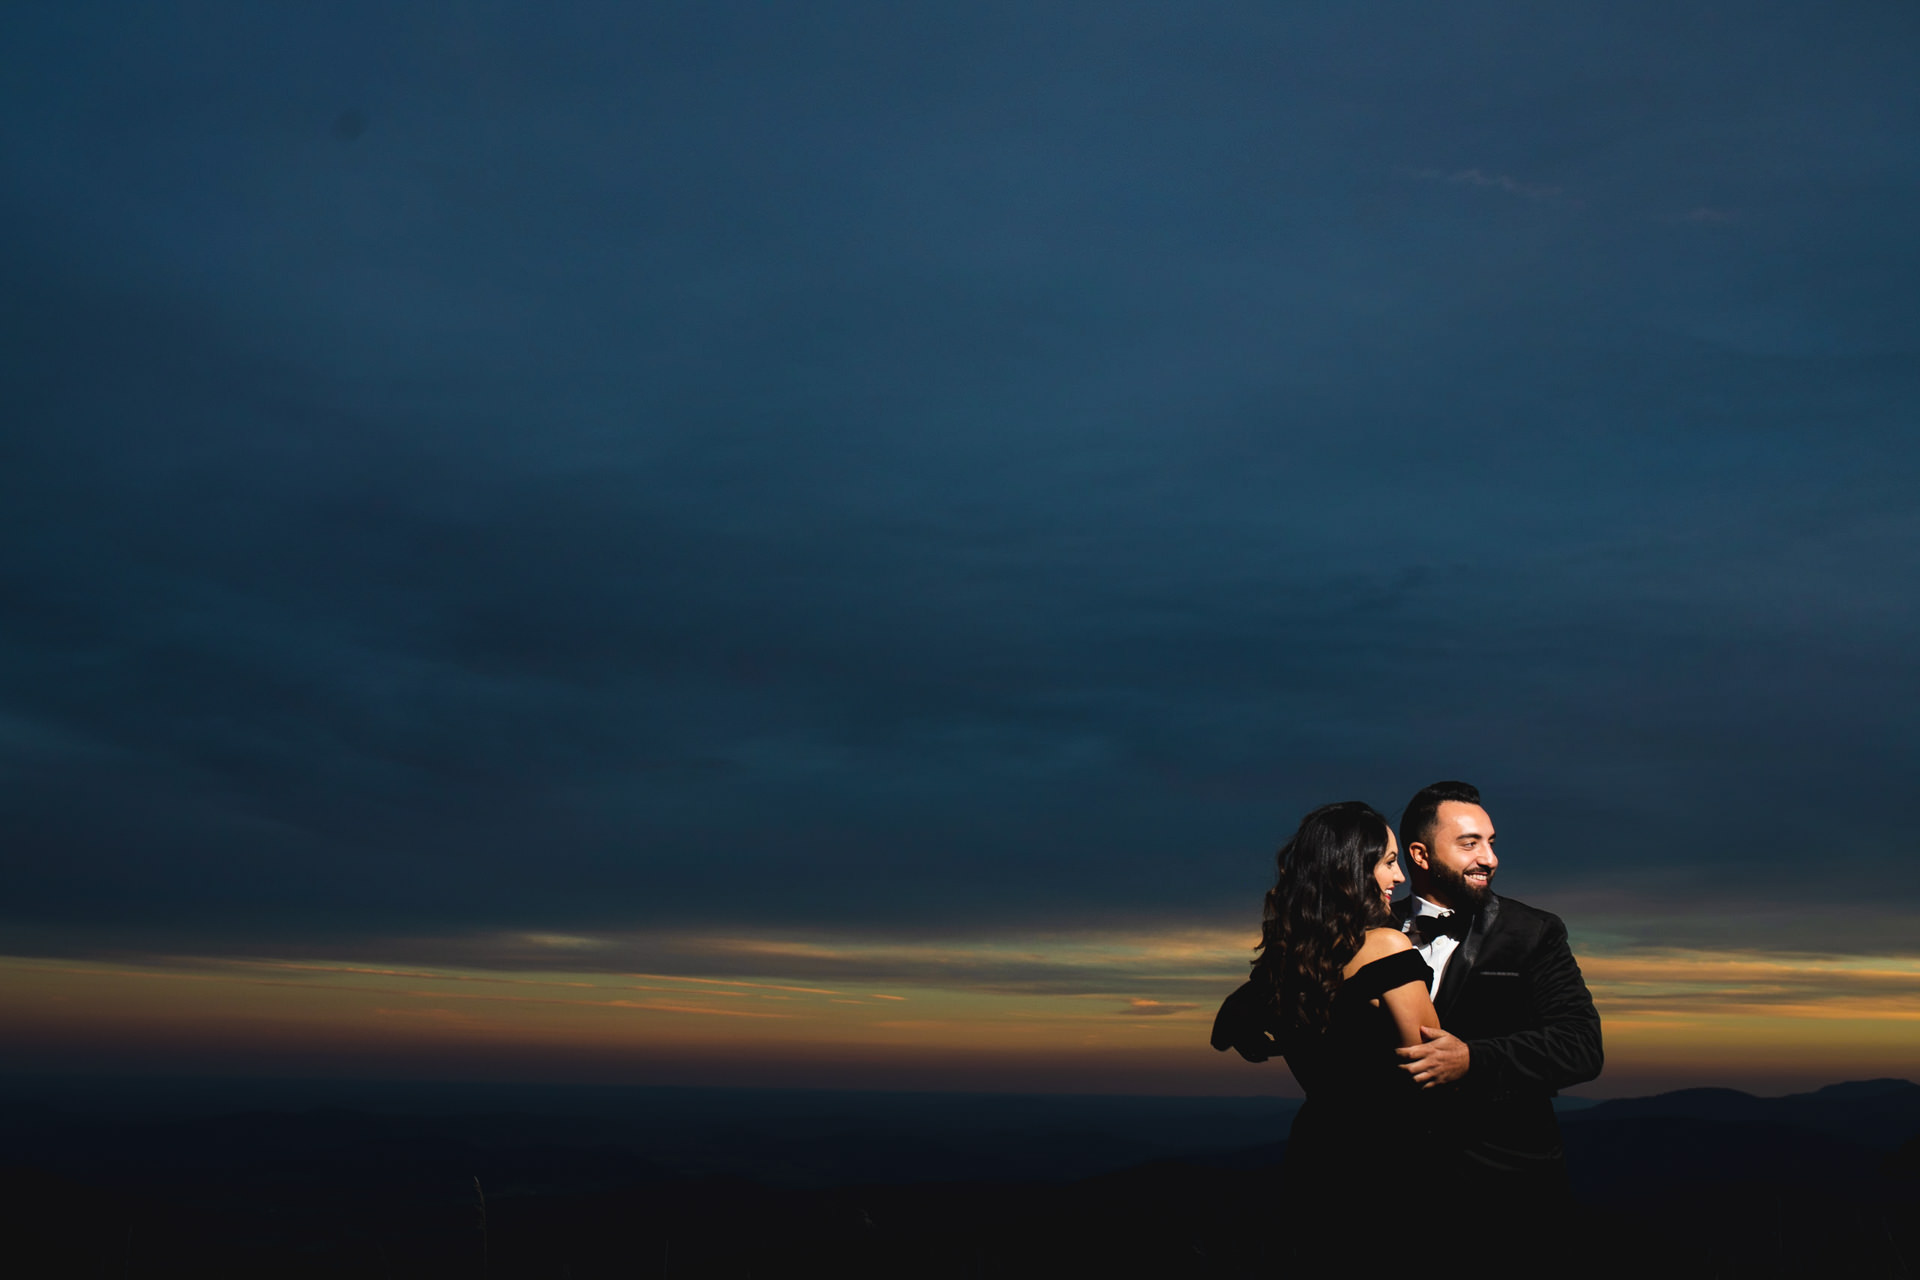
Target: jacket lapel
1463	960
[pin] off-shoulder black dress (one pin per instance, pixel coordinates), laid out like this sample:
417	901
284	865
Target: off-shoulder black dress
1360	1104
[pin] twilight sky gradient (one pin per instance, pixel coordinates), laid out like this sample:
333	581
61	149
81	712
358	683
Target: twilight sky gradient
880	518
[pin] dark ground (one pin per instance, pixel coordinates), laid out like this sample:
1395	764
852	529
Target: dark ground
645	1183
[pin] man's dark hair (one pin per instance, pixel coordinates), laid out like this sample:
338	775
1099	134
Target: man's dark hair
1416	822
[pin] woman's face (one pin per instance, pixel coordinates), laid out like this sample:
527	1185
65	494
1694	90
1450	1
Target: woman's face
1386	872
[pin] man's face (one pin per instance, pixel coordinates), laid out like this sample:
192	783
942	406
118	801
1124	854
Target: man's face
1458	858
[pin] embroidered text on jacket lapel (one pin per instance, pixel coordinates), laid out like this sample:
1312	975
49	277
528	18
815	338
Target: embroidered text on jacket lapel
1462	961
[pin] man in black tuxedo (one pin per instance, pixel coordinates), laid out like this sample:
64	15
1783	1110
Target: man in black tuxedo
1519	1023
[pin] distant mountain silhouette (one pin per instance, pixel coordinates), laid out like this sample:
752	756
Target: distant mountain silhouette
1839	1136
1875	1113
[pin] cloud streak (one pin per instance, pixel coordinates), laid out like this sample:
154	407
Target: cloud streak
1672	1015
1489	181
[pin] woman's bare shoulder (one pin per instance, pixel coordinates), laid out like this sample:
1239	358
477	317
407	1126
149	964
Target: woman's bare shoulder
1377	945
1384	942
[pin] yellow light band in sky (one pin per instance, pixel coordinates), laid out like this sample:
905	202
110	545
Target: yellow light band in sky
1097	1012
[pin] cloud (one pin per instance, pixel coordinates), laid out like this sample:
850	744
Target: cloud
1625	940
1683	984
1051	964
1493	181
1672	1016
1685	913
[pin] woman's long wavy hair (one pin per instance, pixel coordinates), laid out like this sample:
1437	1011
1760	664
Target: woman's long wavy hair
1319	910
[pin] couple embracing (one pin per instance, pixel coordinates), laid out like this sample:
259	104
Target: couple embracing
1429	1037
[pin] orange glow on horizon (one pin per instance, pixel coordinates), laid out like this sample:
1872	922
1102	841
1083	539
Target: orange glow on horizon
1109	1012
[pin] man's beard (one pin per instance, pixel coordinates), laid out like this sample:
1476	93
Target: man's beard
1466	896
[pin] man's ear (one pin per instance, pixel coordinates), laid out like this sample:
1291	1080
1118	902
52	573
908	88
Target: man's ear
1417	854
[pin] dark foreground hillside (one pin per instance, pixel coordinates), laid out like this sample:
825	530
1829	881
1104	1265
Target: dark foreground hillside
1706	1182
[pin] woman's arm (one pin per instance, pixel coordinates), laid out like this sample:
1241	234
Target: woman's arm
1408	1003
1412	1009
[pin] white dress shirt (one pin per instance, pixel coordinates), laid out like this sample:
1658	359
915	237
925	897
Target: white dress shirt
1436	951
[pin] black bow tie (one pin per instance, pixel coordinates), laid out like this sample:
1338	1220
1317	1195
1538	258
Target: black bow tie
1425	929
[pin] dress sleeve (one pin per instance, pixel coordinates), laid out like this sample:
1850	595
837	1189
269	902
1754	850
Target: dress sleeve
1386	973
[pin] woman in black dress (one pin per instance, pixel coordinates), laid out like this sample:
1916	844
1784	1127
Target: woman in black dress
1336	989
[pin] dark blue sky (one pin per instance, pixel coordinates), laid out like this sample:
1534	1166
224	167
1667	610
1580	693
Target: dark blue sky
471	467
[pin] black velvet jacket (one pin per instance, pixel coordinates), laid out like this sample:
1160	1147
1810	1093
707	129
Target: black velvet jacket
1513	992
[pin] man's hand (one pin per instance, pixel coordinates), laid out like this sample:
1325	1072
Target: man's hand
1440	1058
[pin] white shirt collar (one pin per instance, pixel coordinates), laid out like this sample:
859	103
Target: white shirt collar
1421	907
